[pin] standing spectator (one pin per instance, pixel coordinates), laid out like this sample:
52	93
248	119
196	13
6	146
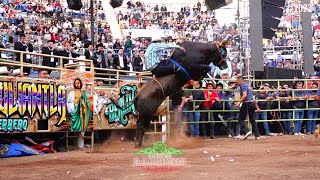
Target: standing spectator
120	61
88	53
300	96
284	95
261	105
194	117
68	52
312	113
234	115
128	46
210	97
223	105
110	59
99	59
50	50
247	107
139	62
23	45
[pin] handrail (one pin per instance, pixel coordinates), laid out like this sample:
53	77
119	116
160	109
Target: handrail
268	109
42	55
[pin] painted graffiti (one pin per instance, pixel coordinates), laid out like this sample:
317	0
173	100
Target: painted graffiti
27	99
125	101
13	125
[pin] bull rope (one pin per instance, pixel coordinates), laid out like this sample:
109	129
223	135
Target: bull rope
160	86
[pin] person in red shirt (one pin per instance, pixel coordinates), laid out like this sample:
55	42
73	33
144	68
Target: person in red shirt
210	97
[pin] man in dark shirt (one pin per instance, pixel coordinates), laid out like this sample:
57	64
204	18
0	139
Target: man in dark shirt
301	97
50	49
89	53
312	112
139	61
317	131
247	106
195	105
261	105
284	95
128	47
23	45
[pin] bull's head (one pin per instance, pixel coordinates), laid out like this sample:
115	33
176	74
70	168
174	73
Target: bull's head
201	55
219	57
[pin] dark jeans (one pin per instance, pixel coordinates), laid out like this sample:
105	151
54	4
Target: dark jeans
287	116
207	127
162	69
248	108
231	125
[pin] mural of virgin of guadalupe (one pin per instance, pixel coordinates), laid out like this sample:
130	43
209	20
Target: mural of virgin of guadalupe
79	107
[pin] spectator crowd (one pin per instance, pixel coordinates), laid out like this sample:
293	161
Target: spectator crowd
51	28
285	47
291	107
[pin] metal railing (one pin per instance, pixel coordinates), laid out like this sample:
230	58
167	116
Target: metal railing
256	91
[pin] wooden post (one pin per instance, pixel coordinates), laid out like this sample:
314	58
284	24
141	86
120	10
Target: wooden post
21	63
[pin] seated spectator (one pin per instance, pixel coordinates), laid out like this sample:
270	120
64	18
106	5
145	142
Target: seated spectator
43	73
317	68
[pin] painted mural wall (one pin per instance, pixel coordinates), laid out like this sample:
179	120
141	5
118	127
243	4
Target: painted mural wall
72	104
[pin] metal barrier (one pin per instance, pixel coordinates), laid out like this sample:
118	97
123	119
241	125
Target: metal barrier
278	109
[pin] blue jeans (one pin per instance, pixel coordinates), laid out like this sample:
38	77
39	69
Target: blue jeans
264	116
299	114
128	52
287	123
194	127
311	124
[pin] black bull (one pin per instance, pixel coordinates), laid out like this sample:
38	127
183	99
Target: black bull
195	60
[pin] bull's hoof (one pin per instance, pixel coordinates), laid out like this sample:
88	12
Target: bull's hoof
138	145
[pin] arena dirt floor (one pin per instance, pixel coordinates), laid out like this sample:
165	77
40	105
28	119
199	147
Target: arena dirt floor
282	157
